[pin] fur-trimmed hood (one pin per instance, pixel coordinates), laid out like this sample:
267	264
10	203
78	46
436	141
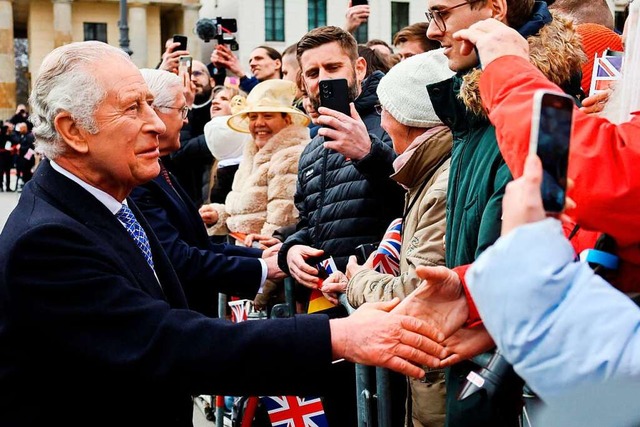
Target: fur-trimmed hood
556	51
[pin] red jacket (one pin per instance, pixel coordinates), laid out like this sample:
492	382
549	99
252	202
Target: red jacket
604	158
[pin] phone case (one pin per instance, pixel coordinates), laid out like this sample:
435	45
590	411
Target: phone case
334	94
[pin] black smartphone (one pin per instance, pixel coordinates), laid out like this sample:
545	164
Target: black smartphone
550	137
334	94
228	24
179	38
364	251
359	2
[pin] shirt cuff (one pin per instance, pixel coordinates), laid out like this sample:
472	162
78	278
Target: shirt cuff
263	279
474	317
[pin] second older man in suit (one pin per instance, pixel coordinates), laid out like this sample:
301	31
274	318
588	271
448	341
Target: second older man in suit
204	268
92	315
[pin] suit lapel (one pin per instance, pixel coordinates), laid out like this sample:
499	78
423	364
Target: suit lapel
76	202
190	217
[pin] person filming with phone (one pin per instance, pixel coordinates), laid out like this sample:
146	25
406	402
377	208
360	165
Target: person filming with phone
344	194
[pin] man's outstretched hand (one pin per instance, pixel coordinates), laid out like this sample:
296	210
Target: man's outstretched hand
373	335
439	300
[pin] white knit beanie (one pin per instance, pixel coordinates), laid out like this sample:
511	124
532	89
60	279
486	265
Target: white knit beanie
403	93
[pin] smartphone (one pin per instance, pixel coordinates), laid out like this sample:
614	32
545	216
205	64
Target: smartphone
359	2
550	137
334	94
364	251
185	65
179	38
229	24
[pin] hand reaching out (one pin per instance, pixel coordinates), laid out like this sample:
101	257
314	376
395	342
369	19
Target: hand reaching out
465	344
302	272
375	335
439	300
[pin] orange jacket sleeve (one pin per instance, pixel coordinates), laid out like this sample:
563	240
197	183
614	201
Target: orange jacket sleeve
603	159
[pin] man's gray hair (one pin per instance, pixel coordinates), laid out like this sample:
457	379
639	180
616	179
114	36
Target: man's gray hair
163	85
65	83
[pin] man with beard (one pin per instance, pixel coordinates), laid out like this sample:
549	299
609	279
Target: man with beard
191	164
344	194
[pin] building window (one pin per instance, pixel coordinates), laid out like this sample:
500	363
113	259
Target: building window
317	13
362	33
95	31
399	16
274	20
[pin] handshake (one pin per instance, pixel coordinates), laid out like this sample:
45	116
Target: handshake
440	301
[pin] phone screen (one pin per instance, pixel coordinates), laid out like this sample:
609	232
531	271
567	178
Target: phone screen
554	135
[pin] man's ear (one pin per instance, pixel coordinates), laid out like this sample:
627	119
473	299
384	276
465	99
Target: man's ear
499	8
361	68
71	134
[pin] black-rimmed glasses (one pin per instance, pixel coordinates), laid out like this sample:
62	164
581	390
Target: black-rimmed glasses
438	15
184	111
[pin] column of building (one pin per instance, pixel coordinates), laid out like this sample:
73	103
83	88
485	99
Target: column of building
138	32
190	16
62	22
7	61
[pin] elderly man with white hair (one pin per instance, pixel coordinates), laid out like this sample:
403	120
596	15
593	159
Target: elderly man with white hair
204	268
92	315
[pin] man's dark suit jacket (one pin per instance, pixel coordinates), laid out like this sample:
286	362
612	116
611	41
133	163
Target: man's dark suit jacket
204	268
88	337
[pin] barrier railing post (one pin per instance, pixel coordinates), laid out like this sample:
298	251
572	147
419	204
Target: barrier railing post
382	397
219	400
363	384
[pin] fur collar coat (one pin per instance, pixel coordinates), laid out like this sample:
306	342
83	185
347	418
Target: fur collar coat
261	197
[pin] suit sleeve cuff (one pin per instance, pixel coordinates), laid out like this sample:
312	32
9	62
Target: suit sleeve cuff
474	317
263	278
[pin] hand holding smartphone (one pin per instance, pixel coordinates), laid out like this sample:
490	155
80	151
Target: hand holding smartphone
550	137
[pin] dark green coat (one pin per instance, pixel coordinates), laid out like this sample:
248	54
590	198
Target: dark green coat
477	178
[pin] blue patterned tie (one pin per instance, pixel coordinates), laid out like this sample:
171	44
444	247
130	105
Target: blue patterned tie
136	231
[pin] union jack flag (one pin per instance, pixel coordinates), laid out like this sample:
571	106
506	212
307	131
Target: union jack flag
387	257
606	70
294	411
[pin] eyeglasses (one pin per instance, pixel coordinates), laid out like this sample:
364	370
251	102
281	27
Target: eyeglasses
184	111
438	16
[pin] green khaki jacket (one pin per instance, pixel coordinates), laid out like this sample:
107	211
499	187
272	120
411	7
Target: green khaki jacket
423	225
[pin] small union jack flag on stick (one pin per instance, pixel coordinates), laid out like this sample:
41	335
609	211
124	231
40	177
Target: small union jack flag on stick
606	71
387	257
294	411
240	310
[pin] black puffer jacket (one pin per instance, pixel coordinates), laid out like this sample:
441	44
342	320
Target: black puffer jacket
344	203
